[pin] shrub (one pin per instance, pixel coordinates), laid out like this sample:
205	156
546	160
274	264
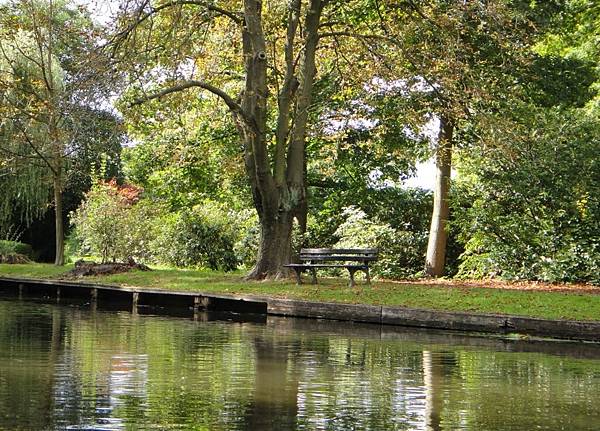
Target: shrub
400	252
15	247
203	236
114	224
248	237
15	252
534	207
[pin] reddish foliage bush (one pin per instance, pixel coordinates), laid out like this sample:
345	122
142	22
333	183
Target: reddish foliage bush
129	193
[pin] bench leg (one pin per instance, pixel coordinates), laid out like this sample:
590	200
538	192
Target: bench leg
298	278
314	275
351	271
368	275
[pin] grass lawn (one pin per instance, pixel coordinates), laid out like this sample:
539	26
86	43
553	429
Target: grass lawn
544	304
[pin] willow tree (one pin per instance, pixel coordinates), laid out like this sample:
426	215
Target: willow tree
261	62
22	179
44	75
32	145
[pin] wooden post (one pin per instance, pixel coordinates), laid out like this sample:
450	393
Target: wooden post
314	275
204	302
94	299
135	298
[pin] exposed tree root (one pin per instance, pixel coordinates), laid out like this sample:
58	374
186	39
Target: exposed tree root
255	275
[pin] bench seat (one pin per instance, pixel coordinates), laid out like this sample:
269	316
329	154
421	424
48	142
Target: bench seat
316	258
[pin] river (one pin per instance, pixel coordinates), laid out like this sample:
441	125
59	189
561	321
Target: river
76	368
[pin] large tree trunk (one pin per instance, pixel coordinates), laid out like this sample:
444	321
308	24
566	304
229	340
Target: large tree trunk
59	258
275	247
438	234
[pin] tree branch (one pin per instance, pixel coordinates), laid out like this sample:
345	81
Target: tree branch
229	101
284	98
422	14
141	17
392	41
37	151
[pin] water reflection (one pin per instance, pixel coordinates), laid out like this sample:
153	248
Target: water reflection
79	369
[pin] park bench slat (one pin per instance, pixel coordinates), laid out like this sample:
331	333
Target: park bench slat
339	250
337	257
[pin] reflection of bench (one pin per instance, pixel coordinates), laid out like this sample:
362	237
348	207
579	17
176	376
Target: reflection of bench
314	258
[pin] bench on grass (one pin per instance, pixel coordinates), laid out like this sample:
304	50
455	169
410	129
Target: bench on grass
353	259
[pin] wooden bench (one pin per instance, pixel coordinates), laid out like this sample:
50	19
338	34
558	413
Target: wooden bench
314	258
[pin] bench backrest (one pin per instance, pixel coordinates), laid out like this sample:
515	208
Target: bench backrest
340	254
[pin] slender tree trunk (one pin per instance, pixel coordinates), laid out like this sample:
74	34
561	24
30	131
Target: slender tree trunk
438	234
59	258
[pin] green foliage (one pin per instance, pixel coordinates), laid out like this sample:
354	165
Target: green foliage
14	247
187	160
203	236
248	237
405	212
112	224
24	183
535	208
556	81
400	252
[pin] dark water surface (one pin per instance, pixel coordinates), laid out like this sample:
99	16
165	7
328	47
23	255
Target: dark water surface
75	368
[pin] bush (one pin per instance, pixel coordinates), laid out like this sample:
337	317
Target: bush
15	252
400	252
534	208
248	237
114	224
203	236
15	247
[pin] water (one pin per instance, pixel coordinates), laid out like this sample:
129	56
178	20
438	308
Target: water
70	368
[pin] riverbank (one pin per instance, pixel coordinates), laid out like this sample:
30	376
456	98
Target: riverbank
577	305
191	303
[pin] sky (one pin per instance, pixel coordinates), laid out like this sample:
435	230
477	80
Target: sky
425	176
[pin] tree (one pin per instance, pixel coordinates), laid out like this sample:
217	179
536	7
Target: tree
461	62
207	46
456	61
533	208
46	80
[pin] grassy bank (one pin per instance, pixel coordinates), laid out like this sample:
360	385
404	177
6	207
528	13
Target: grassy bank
549	305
